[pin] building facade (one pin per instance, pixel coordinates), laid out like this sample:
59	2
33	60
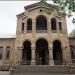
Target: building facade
41	38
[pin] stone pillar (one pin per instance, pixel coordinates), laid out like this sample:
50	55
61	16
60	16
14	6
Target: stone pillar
33	62
25	27
51	61
20	55
49	27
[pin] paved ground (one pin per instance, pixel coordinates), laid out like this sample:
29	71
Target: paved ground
8	73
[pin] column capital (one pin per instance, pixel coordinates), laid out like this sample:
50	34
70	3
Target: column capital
20	48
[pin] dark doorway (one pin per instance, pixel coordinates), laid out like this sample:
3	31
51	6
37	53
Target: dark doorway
42	53
41	23
26	53
57	53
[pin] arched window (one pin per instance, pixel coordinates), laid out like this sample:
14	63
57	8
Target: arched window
7	52
1	52
22	27
29	24
41	23
60	26
53	24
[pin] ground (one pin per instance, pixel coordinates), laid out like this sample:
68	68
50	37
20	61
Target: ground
8	73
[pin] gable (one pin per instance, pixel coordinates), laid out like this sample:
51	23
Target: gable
39	4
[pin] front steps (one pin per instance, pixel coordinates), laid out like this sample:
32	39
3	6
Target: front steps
41	69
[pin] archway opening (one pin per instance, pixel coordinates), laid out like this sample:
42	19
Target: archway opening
57	53
42	52
26	53
41	23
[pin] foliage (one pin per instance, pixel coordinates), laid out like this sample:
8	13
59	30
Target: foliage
43	0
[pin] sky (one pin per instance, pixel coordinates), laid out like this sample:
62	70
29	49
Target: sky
8	12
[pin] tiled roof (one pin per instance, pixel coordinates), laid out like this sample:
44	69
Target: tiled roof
7	36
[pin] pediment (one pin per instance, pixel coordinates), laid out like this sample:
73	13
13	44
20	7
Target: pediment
39	4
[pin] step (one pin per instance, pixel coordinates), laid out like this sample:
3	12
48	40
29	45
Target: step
22	69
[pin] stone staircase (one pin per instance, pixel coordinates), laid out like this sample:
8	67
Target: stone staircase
41	69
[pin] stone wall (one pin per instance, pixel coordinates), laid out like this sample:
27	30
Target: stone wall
7	42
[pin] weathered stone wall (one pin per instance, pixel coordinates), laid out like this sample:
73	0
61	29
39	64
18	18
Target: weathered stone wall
4	42
50	36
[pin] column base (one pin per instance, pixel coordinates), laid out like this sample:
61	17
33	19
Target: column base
51	62
33	62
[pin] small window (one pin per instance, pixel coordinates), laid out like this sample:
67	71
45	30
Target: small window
60	25
53	24
29	24
1	52
22	27
7	52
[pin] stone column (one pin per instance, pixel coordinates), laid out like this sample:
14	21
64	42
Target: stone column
20	55
25	27
49	27
33	62
51	61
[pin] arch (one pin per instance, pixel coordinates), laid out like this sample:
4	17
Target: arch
42	52
53	23
41	22
26	53
57	53
29	24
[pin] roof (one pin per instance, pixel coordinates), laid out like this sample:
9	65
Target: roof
51	6
39	3
5	36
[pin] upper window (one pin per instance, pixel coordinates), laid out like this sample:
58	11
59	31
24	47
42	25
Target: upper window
53	24
22	27
41	23
7	52
60	26
29	24
1	52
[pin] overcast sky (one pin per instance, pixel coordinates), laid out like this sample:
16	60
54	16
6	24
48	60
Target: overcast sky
8	12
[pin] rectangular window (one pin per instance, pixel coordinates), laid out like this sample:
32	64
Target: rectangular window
22	27
60	25
7	52
1	52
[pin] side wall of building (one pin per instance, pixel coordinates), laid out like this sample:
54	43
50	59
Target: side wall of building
10	43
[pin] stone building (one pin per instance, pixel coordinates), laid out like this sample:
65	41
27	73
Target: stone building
41	38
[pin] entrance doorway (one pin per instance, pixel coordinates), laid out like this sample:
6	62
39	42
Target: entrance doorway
57	53
26	53
42	52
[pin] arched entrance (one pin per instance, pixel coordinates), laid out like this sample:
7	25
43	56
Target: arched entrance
57	53
42	52
26	53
